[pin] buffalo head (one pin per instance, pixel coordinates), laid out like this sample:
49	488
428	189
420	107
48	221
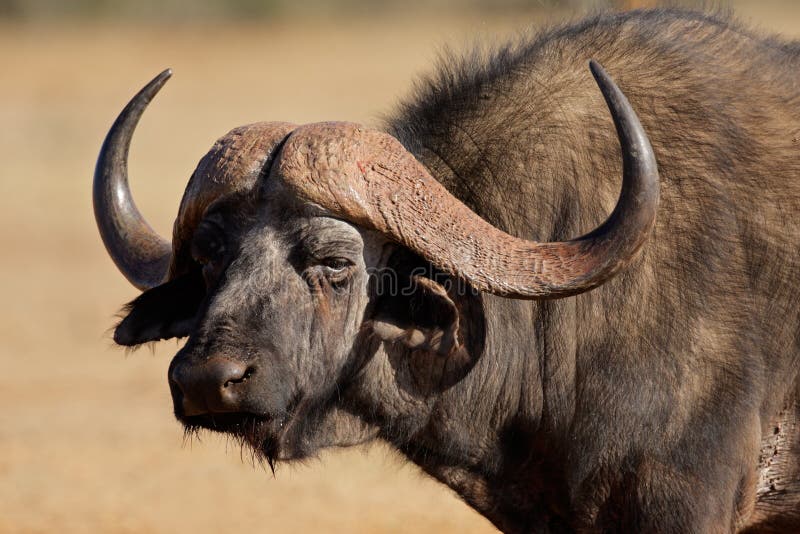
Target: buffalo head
296	255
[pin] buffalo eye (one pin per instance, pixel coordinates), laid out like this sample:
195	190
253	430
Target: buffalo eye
208	244
335	270
335	265
208	249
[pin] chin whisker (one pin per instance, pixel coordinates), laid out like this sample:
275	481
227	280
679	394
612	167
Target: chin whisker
250	433
191	433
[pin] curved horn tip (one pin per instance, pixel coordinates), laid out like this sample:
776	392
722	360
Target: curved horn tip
613	95
604	80
625	119
155	85
597	69
163	76
146	94
636	145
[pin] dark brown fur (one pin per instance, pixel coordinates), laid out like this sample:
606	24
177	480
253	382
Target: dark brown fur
658	385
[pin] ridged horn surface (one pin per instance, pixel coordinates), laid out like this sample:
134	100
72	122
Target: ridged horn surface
370	179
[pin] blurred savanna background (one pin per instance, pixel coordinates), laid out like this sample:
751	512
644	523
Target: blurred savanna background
87	439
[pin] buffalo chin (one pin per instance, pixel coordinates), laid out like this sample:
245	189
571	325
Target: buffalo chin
257	433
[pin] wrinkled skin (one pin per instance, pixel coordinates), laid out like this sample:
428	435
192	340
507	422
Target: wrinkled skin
662	401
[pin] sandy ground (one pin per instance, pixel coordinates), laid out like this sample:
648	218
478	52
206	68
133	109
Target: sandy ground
87	440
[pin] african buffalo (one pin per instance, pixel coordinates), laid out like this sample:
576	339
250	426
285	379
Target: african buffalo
340	283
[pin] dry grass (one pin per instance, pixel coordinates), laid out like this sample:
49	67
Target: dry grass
87	442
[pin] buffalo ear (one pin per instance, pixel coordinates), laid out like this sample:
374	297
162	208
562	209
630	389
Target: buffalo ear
427	321
163	312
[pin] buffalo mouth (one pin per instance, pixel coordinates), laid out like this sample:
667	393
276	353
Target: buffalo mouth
255	432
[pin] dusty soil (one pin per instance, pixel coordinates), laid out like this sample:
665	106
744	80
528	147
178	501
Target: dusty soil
87	440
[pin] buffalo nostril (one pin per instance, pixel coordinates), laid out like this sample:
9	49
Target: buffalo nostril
247	374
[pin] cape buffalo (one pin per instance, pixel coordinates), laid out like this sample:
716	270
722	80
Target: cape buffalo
340	283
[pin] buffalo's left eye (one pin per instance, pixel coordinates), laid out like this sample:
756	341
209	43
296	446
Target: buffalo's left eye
336	270
209	252
208	246
336	264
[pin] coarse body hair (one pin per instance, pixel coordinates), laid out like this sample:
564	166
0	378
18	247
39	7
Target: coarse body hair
651	401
